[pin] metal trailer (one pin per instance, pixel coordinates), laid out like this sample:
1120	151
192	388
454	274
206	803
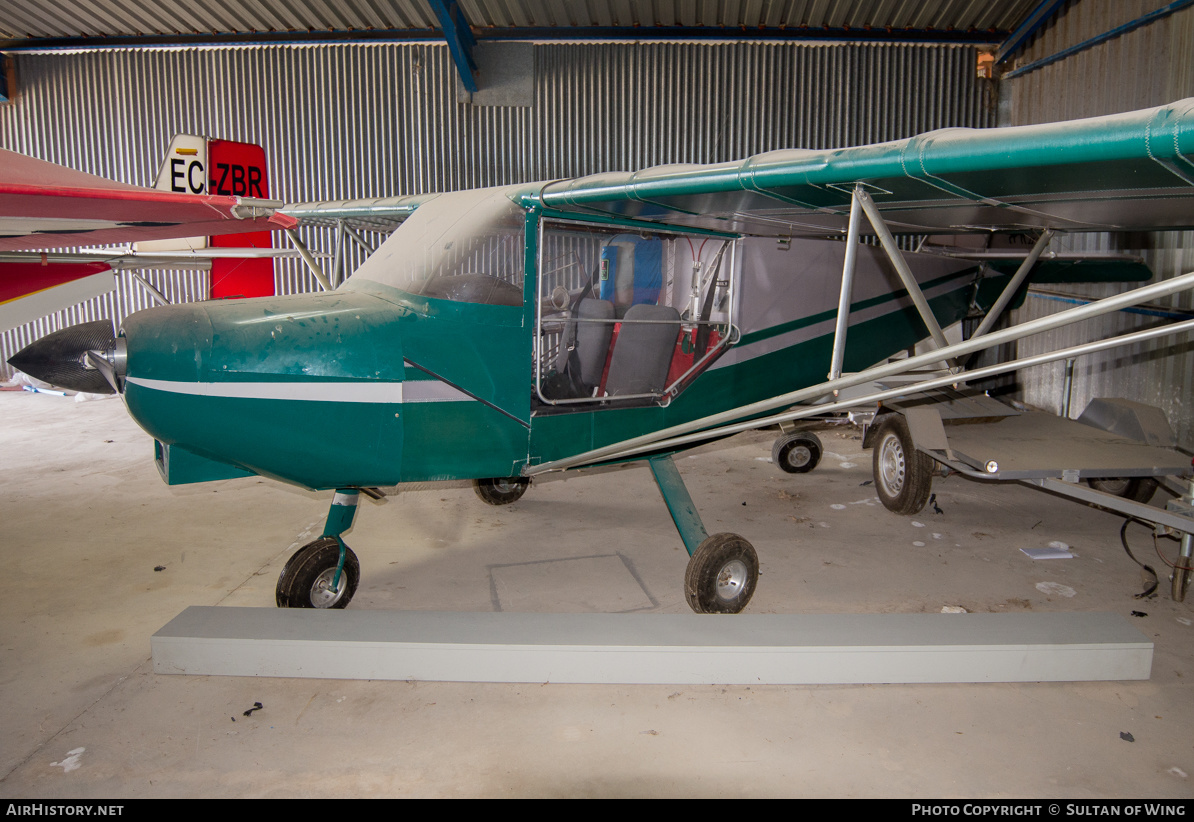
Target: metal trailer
1114	456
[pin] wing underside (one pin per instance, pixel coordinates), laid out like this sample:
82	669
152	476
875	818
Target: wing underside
1131	171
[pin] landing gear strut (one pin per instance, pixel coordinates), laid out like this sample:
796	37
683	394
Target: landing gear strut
723	569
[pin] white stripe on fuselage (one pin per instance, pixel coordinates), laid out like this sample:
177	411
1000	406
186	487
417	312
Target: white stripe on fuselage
368	392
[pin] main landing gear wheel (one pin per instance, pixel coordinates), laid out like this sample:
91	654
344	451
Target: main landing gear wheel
797	453
722	575
501	490
903	475
306	579
1137	489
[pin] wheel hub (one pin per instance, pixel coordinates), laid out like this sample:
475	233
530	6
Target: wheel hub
799	456
891	464
322	595
731	580
1112	485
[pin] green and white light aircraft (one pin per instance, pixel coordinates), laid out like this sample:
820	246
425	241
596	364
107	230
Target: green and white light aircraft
502	333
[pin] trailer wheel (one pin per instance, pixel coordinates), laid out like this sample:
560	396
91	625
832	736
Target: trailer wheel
722	575
306	578
903	475
797	453
1180	581
1137	489
501	490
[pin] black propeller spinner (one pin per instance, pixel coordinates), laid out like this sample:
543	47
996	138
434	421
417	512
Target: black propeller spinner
80	358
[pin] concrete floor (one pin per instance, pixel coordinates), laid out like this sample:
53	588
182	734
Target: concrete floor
86	521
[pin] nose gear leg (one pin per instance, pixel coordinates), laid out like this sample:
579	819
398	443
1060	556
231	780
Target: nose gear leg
324	573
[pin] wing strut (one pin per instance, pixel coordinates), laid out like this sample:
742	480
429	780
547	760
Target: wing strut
1010	290
843	302
700	429
338	260
309	259
359	240
157	296
1133	338
901	267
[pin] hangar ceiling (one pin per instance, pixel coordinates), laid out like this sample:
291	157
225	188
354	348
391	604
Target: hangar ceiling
54	23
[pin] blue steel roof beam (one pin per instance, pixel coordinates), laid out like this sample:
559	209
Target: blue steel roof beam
1032	23
460	39
1131	25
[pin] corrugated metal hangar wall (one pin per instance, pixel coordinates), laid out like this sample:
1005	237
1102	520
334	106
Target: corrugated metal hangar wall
1149	66
341	121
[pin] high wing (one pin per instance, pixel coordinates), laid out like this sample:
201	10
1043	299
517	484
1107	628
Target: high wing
348	217
44	205
1124	172
1132	171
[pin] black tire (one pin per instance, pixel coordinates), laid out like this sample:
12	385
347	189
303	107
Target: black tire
1180	582
501	490
1137	489
722	575
903	475
797	453
307	576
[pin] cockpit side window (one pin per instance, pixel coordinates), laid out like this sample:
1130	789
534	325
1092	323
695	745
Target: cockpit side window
466	247
627	318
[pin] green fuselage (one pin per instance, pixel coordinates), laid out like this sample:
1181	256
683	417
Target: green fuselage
371	385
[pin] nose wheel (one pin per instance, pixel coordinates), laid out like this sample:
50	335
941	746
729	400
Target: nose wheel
308	579
324	573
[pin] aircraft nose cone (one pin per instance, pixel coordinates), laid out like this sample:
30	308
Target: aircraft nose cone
74	358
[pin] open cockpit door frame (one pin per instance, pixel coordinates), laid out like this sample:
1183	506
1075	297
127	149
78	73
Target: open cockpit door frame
556	318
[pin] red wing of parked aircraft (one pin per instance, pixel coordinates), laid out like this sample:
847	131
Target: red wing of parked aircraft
43	205
48	206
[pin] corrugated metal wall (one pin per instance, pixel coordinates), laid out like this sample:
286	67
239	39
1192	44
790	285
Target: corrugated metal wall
343	121
1146	67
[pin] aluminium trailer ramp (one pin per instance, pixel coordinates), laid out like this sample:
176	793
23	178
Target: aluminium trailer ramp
976	433
985	439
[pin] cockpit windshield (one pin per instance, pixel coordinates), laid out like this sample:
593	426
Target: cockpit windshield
466	246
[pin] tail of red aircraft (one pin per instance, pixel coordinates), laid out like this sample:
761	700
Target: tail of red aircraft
32	288
203	165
